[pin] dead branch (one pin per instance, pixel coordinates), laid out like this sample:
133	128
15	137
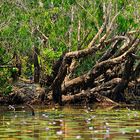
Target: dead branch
97	70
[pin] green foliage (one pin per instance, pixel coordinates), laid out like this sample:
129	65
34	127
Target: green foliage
84	65
123	24
8	89
14	69
5	86
21	19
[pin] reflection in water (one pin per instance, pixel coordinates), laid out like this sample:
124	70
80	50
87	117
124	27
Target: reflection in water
70	123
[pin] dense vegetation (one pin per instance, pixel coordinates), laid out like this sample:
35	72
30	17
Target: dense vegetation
58	41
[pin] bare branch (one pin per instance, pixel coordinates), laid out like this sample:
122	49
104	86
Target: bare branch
43	35
101	29
109	29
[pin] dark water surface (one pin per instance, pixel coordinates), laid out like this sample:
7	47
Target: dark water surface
69	123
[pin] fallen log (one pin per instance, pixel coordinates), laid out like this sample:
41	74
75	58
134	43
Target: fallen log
87	80
118	91
92	95
136	72
88	97
110	59
56	85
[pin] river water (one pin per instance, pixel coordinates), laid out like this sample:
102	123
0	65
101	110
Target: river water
69	123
